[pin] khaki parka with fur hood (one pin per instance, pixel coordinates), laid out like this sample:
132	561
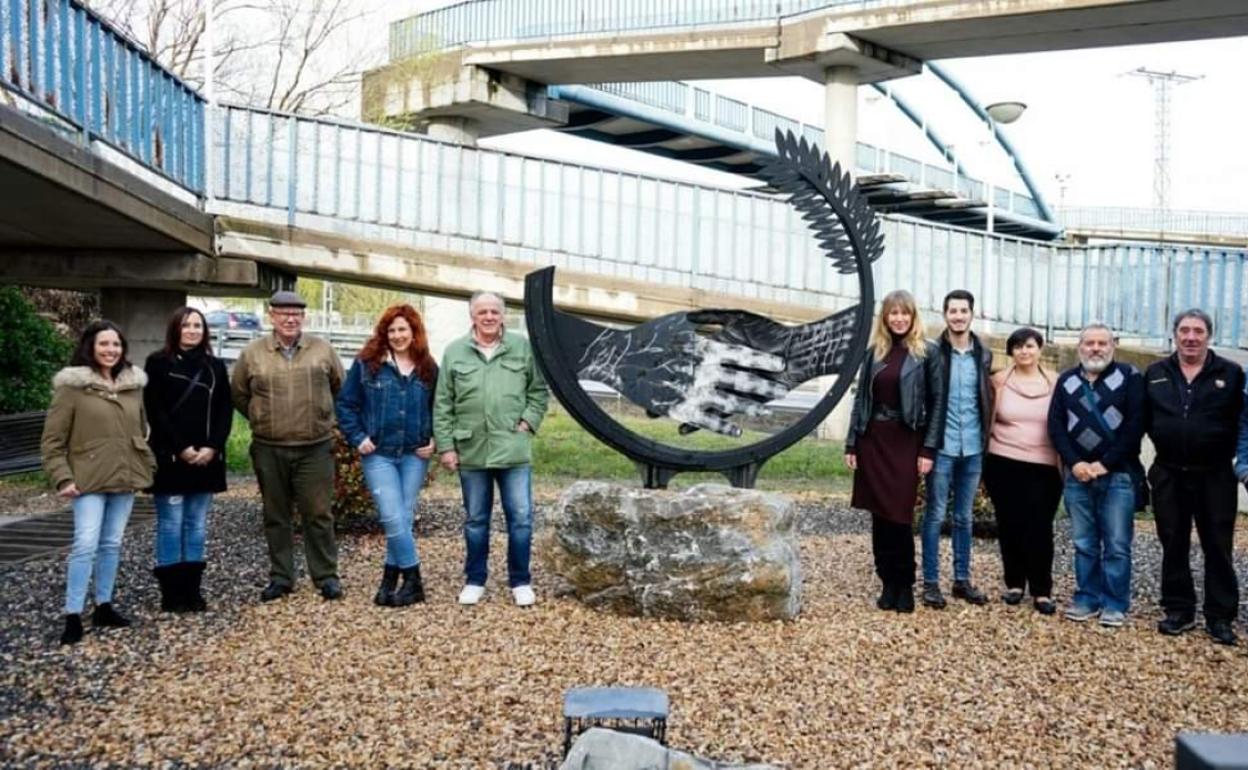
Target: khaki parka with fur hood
95	434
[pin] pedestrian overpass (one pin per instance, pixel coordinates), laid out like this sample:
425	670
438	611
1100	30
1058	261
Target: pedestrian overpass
604	70
121	177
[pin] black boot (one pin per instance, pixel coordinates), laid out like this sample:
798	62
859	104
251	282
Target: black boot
413	590
169	577
385	592
107	617
905	597
192	585
888	597
73	629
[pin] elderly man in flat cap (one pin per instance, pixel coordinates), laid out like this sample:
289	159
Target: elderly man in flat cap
285	384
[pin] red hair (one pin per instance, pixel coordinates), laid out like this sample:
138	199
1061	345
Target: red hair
377	349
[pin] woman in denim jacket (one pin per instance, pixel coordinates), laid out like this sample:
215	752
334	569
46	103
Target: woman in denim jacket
385	410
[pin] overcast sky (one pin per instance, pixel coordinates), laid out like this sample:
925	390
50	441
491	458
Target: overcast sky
1084	119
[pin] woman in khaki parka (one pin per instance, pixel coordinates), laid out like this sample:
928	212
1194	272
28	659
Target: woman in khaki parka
95	453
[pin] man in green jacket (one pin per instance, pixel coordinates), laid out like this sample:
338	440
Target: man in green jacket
285	384
489	403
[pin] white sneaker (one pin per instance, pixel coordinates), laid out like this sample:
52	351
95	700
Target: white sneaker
524	596
471	594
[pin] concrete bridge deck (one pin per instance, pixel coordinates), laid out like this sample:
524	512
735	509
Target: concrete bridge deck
567	41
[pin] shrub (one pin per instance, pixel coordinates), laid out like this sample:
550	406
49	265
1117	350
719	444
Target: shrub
353	503
31	351
983	517
238	447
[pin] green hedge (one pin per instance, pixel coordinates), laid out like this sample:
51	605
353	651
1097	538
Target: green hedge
31	351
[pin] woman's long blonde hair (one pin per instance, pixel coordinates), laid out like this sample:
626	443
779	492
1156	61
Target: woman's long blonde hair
882	338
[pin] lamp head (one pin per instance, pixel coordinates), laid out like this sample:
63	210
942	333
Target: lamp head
1005	112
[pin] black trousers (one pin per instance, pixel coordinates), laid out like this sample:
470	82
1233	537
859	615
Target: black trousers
1025	497
892	544
1209	498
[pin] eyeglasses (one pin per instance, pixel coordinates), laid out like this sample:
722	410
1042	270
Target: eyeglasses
287	313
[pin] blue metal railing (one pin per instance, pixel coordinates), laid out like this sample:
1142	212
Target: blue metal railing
484	21
66	60
363	181
755	123
1151	220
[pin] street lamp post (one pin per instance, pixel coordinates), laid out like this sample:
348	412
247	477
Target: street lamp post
998	113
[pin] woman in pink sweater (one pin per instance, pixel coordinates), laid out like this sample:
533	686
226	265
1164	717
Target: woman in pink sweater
1021	472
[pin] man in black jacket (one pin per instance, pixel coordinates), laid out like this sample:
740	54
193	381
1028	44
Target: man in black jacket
1194	401
963	423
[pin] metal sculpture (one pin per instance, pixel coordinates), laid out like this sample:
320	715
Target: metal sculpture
704	367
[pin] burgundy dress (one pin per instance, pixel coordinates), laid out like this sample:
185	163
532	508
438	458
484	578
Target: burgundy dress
887	478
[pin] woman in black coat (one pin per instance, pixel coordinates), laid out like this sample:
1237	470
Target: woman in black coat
189	408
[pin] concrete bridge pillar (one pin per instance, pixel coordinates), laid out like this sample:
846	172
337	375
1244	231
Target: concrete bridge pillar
142	315
459	130
840	115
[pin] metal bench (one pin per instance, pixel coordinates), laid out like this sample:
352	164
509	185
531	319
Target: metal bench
637	710
19	442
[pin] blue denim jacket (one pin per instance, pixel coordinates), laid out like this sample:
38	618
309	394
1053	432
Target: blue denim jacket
396	412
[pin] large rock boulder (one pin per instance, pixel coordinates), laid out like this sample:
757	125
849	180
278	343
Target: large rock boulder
711	552
601	749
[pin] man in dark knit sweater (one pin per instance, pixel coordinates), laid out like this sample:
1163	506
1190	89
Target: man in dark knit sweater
1096	419
1194	401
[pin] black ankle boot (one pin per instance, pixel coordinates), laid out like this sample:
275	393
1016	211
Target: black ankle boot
192	583
385	592
169	577
107	617
413	590
905	597
73	629
888	597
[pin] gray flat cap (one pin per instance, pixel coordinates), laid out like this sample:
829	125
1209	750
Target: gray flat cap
286	299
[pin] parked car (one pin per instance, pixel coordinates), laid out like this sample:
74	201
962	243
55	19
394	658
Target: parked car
233	319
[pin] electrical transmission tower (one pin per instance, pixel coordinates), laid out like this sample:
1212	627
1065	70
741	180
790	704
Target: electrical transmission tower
1162	82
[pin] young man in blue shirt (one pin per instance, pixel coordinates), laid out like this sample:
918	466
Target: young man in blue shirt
966	365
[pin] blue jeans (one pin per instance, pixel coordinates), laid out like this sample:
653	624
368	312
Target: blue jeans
180	525
396	483
961	473
1102	523
516	490
99	523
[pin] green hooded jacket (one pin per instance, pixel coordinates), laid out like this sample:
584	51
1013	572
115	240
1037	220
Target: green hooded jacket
479	403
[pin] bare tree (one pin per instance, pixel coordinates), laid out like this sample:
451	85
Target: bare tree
173	32
290	55
308	61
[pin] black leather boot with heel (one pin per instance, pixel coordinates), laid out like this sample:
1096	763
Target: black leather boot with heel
168	577
73	629
413	590
107	616
385	591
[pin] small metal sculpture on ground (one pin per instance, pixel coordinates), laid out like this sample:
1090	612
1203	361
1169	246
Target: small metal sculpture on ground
670	368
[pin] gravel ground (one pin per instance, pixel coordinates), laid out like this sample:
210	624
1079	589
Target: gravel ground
304	683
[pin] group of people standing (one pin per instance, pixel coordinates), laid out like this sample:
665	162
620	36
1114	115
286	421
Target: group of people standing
923	408
935	409
114	429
